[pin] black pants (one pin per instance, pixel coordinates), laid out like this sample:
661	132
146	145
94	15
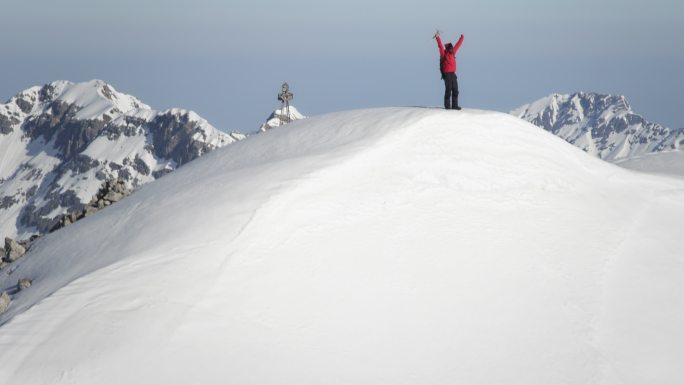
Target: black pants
450	90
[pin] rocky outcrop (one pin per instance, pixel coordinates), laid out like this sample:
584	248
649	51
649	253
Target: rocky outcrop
24	284
6	124
111	192
5	301
13	250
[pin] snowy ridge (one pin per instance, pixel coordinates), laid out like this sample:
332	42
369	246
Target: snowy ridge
602	125
60	142
94	98
400	245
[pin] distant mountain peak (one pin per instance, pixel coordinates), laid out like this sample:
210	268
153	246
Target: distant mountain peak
603	125
94	99
61	141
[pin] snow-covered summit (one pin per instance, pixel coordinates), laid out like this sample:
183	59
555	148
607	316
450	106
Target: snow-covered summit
603	125
60	142
398	246
280	117
94	99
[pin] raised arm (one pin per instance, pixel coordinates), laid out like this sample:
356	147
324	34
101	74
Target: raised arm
458	44
439	44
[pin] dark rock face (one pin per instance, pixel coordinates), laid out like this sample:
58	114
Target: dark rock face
160	173
5	124
80	164
71	135
7	202
173	138
24	105
140	166
38	217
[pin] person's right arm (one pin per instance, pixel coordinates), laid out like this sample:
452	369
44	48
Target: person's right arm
439	44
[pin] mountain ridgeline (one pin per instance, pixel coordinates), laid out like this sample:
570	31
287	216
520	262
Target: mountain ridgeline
602	125
60	143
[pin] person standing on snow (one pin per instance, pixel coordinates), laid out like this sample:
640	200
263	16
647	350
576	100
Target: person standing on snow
447	60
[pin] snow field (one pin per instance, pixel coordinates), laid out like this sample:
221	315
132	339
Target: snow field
399	245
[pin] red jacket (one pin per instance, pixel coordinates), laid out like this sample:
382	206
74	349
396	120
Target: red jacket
450	60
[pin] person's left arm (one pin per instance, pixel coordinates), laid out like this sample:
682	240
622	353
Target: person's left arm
458	44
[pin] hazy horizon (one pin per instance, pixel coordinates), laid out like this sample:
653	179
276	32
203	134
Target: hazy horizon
227	61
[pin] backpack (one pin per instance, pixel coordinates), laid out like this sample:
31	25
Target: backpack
442	60
442	63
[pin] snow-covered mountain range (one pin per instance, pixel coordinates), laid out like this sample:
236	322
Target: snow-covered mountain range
602	125
60	142
385	246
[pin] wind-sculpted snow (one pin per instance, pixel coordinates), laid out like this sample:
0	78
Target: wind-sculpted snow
391	246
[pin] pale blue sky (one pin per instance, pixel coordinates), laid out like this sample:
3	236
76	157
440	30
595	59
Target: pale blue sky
227	59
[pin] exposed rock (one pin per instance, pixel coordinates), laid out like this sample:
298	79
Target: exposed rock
89	210
13	250
5	301
115	166
110	192
24	284
5	125
39	218
140	166
108	93
81	164
24	105
3	264
113	196
160	173
31	192
7	202
26	243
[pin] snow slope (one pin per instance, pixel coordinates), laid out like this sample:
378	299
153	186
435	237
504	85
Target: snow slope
667	162
388	246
